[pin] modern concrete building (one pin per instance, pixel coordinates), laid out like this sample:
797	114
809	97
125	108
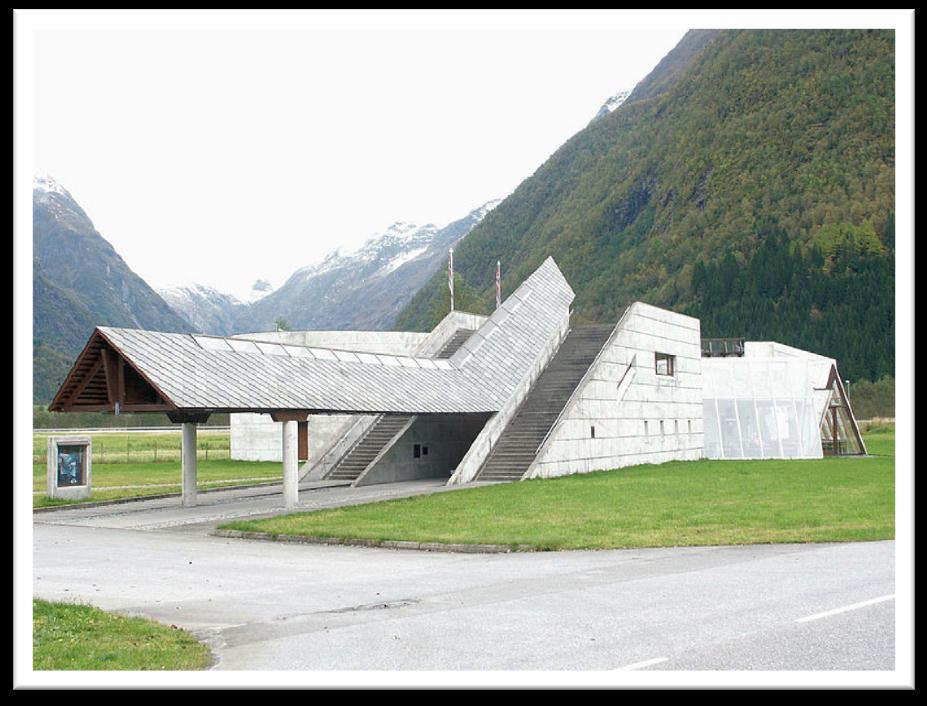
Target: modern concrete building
519	394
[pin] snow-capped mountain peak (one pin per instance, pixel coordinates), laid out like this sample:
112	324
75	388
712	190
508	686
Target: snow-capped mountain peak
365	287
481	212
56	202
208	309
612	104
46	184
401	229
195	290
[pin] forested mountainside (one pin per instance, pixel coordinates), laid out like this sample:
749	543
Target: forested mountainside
749	180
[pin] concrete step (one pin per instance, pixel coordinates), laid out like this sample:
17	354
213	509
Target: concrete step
366	450
517	447
454	344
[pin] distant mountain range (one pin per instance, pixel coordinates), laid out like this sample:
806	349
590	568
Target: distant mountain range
207	309
364	289
80	281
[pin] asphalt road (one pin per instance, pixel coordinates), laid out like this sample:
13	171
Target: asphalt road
264	605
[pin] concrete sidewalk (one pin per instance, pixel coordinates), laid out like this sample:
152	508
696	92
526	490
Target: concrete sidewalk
225	505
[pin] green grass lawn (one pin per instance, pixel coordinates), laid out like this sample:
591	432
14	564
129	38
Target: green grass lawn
81	637
110	480
672	504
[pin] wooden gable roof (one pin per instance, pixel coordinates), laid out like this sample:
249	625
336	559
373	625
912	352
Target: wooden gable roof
103	380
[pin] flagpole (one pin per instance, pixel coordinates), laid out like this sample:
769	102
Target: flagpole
498	283
450	275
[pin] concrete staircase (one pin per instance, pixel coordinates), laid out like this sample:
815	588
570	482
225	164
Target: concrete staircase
453	345
385	430
381	434
519	443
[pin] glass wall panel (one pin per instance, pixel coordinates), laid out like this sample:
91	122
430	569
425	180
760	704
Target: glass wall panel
712	432
769	431
788	428
808	429
848	443
749	429
730	433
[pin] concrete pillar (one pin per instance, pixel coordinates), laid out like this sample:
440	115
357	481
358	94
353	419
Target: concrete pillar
290	465
188	463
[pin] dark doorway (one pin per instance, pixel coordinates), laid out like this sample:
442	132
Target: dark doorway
303	441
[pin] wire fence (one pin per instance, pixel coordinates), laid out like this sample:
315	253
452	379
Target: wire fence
147	451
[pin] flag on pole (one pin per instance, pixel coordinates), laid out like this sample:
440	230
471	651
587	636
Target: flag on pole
450	275
498	284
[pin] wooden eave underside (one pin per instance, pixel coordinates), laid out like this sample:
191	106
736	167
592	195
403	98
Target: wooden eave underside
101	378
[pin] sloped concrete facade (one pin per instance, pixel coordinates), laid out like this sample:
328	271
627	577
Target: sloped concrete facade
623	413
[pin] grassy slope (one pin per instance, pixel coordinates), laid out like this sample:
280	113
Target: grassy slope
674	504
80	637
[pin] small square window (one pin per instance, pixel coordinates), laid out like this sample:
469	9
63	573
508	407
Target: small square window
665	364
424	451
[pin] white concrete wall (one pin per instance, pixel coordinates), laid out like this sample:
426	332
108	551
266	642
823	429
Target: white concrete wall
628	425
391	342
257	437
254	437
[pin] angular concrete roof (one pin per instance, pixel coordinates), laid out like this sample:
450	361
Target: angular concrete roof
193	372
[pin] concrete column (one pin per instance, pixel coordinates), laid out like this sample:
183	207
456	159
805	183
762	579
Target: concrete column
188	464
290	465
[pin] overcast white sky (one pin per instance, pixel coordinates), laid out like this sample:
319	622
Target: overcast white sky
221	152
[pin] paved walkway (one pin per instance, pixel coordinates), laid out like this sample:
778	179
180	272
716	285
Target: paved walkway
224	505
